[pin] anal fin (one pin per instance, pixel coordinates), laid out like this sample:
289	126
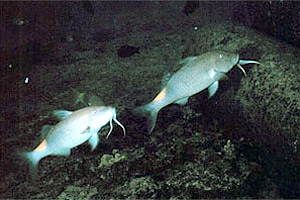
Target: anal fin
182	101
62	152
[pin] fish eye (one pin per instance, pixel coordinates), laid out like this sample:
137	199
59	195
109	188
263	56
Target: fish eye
221	56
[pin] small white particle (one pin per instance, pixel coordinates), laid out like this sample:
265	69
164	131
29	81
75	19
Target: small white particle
26	81
196	28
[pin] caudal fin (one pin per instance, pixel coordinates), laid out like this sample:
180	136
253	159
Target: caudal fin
33	158
150	113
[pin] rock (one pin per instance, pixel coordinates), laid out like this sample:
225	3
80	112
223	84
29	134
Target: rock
266	102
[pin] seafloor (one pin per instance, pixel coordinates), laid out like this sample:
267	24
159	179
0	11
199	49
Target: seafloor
191	154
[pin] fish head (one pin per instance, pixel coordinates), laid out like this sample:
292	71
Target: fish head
110	116
103	114
223	61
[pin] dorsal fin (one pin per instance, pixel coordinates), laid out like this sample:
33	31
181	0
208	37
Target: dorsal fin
62	114
45	130
187	60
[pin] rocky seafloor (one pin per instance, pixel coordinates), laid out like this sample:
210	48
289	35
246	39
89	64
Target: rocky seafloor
194	152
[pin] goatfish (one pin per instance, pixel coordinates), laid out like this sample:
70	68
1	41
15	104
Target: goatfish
197	74
74	129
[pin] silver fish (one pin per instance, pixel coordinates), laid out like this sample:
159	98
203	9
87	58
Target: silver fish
198	73
74	129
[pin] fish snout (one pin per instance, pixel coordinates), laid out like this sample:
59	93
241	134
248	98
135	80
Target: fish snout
109	113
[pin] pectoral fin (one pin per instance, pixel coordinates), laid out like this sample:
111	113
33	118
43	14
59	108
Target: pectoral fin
216	76
212	89
94	140
87	130
219	76
182	101
187	60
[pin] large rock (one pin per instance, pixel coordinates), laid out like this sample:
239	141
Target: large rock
266	102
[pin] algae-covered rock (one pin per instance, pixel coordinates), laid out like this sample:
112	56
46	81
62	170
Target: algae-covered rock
229	150
108	160
136	188
215	173
75	192
266	102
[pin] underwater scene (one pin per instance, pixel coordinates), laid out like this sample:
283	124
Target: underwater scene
150	100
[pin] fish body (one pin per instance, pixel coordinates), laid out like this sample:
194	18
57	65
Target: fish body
74	129
198	73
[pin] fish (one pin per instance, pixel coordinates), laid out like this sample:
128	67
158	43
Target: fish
190	7
74	129
20	21
78	97
86	98
94	100
127	51
197	74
